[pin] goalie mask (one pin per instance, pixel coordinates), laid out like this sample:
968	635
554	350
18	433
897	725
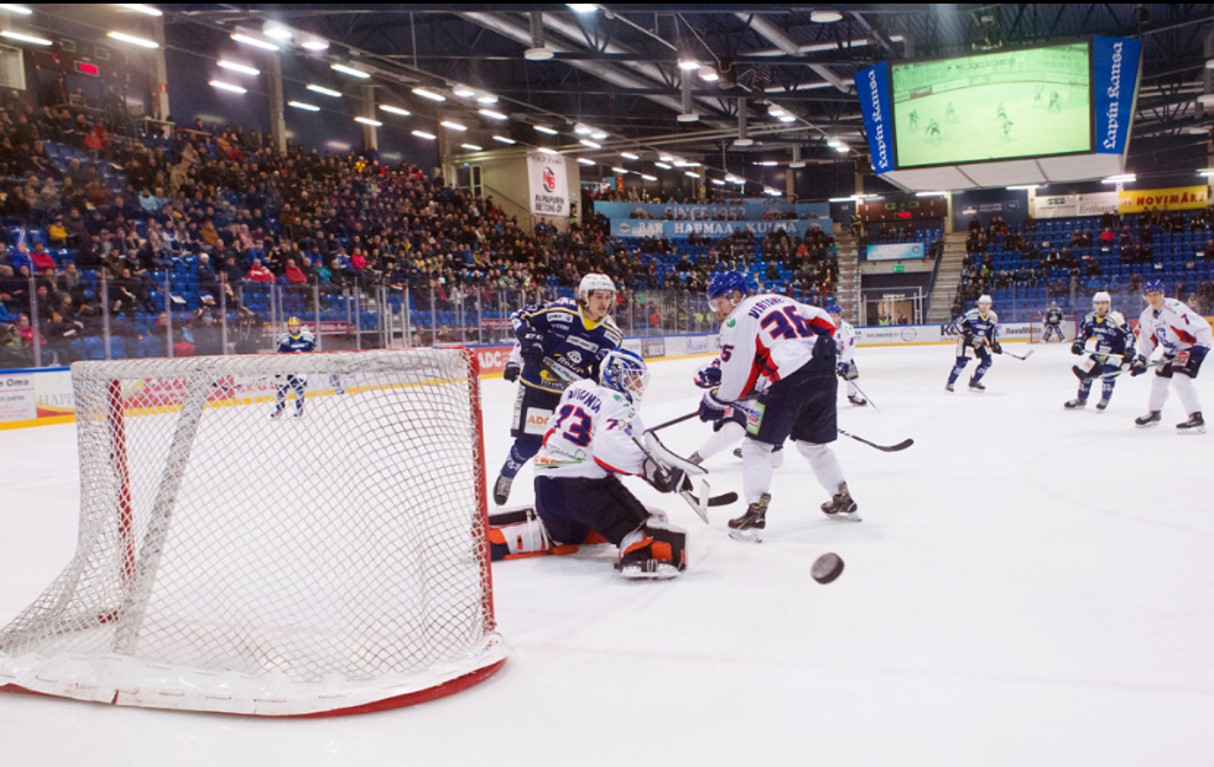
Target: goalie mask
625	372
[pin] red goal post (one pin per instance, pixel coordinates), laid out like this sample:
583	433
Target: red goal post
331	563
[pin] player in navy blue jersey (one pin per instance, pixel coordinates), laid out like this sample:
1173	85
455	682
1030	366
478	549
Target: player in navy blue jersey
1114	344
1052	320
297	340
979	331
560	342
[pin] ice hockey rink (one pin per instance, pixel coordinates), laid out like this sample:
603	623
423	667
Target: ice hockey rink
1029	586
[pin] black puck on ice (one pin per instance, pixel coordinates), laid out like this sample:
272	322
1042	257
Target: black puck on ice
826	568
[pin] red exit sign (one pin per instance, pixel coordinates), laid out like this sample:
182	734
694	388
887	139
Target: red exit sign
86	68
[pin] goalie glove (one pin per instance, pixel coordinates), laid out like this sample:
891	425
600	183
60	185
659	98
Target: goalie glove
711	408
512	372
1077	348
665	479
709	376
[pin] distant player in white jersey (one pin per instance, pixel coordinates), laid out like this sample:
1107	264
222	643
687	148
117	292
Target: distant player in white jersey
1114	344
578	496
793	345
297	340
1185	339
978	330
845	347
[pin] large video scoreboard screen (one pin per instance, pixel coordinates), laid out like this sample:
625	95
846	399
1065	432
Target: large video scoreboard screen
993	106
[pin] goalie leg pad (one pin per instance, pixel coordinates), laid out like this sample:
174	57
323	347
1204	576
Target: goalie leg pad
519	533
658	550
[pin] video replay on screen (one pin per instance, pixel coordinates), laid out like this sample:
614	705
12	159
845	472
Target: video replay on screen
993	106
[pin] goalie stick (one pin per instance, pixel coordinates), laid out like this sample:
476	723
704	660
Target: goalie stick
655	450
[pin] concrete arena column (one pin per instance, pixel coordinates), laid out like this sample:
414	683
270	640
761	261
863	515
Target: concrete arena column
160	73
370	132
278	124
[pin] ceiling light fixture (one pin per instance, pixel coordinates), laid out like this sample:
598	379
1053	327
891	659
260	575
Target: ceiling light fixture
621	171
463	91
591	144
429	94
241	68
31	39
255	42
486	98
688	64
142	42
452	125
423	134
395	110
324	91
315	44
825	16
276	31
345	70
304	106
691	174
538	54
709	75
368	121
226	86
504	140
146	10
20	10
545	129
492	115
545	150
584	161
473	147
630	156
648	177
662	165
582	7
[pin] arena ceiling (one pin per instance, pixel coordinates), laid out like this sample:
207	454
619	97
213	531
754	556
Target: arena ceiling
615	68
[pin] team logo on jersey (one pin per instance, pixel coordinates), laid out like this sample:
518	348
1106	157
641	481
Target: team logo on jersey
731	323
549	180
574	356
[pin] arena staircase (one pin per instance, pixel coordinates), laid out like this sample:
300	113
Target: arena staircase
948	275
848	292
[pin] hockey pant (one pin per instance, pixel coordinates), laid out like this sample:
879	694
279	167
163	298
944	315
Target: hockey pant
532	408
963	350
519	533
295	383
1097	366
1052	330
1180	371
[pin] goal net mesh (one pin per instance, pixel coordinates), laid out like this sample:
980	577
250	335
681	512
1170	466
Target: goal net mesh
228	560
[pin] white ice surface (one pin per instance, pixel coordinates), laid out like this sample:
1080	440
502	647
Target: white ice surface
1029	586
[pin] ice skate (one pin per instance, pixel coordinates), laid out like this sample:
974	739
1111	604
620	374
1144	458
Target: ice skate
841	505
501	489
949	386
1075	404
1146	421
749	527
857	400
277	412
1195	425
1102	404
638	564
976	385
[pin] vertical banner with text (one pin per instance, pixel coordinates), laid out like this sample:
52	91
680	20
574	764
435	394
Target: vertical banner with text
549	184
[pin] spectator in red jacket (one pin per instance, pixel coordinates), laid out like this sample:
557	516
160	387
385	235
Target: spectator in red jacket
259	273
43	261
294	275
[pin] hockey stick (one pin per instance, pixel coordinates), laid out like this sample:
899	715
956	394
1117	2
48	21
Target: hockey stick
673	421
904	444
865	396
661	454
1018	357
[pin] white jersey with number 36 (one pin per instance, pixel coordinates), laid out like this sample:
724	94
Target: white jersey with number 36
767	335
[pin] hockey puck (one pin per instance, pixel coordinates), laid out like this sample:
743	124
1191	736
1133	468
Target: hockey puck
826	568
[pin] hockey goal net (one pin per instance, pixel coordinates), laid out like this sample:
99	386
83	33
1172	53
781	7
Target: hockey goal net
1069	328
334	562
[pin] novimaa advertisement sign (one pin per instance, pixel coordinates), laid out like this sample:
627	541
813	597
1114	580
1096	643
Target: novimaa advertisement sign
873	87
1115	65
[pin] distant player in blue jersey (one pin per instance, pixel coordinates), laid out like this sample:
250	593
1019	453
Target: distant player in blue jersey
1113	337
560	342
297	340
979	331
1052	320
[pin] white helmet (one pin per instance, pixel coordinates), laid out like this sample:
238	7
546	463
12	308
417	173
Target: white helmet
984	299
1101	296
592	282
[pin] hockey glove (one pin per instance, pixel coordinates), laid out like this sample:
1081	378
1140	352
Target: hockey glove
711	408
665	479
843	369
1138	366
512	371
996	348
1077	348
708	377
531	346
